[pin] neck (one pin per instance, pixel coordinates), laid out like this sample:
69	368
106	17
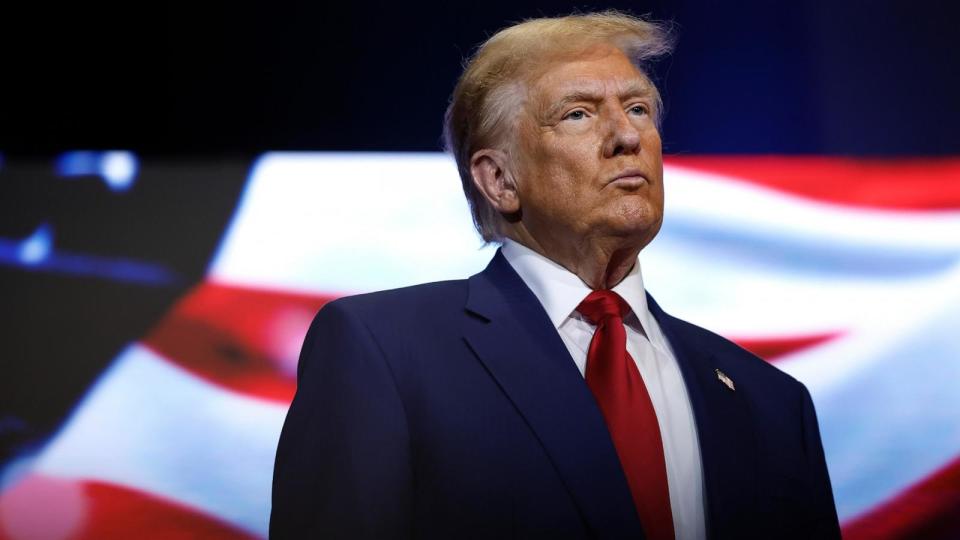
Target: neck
601	263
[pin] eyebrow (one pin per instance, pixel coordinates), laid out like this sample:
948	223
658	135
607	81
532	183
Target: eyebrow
632	89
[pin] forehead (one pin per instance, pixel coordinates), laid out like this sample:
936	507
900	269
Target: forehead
598	72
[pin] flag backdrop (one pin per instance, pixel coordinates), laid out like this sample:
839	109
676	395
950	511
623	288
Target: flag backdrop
844	273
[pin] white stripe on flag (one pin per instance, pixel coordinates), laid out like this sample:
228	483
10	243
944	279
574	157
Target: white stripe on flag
887	399
149	425
349	222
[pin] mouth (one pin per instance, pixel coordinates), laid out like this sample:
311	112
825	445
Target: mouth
629	178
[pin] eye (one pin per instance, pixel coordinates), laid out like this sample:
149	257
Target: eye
578	114
639	109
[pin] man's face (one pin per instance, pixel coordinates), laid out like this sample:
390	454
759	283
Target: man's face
589	162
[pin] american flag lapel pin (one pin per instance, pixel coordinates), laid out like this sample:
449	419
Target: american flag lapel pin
725	380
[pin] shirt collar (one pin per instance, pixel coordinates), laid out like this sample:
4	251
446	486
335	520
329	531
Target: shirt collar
561	291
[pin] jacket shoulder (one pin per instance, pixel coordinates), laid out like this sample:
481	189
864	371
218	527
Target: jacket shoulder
425	294
428	303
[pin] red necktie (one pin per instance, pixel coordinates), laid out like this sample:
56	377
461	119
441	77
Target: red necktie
613	378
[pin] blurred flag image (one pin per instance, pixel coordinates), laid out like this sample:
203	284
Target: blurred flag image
845	273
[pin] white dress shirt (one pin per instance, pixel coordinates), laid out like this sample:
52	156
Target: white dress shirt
560	292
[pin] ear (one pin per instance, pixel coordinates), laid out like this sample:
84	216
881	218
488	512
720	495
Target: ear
491	175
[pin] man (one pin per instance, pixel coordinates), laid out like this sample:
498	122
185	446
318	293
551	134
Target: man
547	396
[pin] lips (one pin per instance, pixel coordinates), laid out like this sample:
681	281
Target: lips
629	177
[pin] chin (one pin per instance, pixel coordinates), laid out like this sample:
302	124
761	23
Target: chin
637	220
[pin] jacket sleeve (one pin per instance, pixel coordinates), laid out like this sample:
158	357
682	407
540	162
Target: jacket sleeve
342	468
823	519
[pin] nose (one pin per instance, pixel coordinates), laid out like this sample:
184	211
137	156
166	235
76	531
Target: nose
623	136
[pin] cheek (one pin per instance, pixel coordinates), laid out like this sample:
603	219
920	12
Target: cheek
651	142
565	169
653	156
576	163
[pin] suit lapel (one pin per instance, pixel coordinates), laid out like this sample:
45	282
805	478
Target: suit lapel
515	340
728	446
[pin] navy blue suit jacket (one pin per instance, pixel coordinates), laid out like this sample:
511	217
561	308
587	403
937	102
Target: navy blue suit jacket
454	410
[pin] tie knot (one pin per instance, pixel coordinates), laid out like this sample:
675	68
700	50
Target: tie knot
602	304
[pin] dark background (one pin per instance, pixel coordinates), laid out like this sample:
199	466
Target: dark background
840	78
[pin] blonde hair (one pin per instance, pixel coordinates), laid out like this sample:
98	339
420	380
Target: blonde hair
487	100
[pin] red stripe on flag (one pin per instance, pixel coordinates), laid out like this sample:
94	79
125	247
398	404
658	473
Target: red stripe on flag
896	184
46	507
241	338
929	510
771	349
